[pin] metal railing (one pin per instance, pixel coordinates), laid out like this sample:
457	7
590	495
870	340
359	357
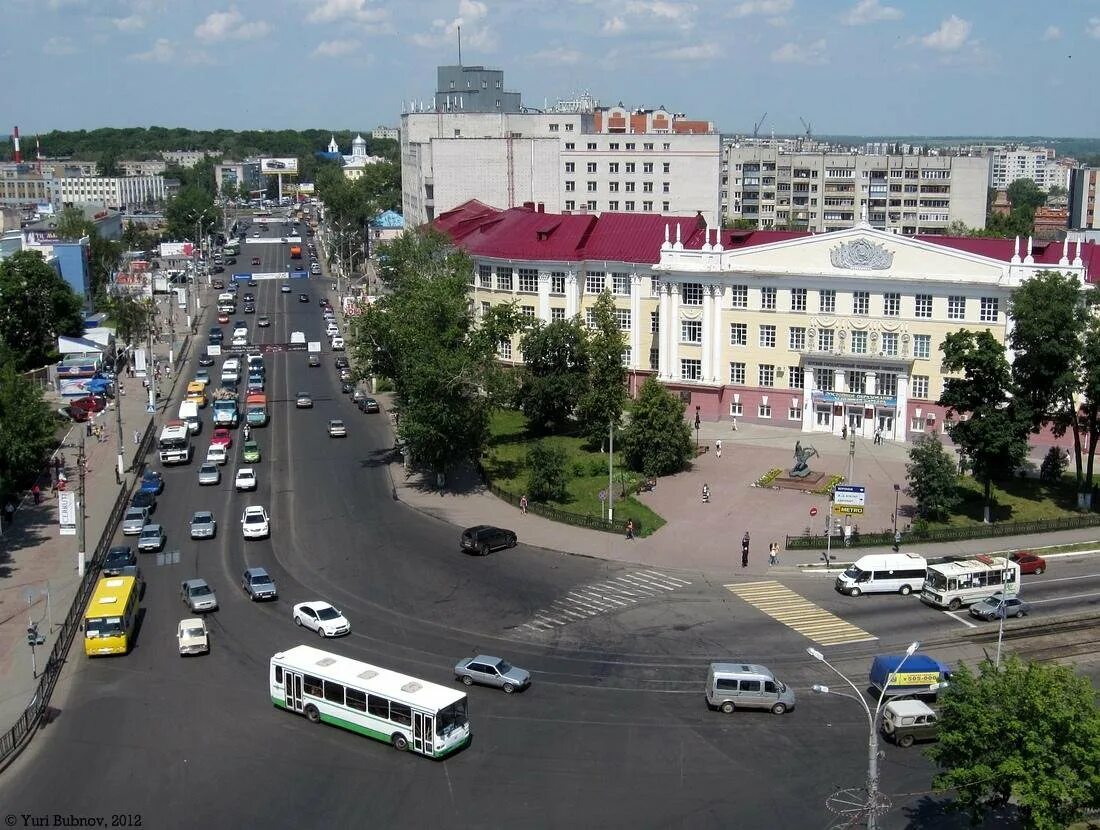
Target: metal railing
564	516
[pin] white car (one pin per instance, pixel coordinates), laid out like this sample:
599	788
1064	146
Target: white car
192	637
245	480
337	344
217	454
332	330
239	341
322	618
240	331
255	523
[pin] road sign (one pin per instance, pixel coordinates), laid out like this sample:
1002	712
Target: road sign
603	495
847	510
850	495
151	408
813	511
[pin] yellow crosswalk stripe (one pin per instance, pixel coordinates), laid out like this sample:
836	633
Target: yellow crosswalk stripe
798	613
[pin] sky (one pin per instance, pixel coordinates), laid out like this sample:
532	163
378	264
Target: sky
848	67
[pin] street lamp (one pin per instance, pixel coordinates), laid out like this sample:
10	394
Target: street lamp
897	538
874	805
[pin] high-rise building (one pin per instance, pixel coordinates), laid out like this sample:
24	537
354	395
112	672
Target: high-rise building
1083	215
473	89
1007	164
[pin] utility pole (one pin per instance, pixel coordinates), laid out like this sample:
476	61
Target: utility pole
81	467
121	468
610	471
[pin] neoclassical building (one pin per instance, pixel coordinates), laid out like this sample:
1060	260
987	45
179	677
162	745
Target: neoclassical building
812	331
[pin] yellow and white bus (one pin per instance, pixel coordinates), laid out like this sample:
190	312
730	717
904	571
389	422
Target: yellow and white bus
952	585
403	711
111	615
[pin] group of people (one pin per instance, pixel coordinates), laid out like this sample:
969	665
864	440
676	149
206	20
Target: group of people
773	552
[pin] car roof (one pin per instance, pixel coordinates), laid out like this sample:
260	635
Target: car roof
198	513
194	583
910	707
192	622
316	605
256	572
254	510
150	528
486	658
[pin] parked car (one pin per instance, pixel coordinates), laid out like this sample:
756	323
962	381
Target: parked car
210	473
998	605
337	429
341	362
152	482
347	387
258	584
492	671
117	559
482	539
370	405
203	525
198	596
134	520
245	479
151	538
90	403
1030	563
321	618
192	637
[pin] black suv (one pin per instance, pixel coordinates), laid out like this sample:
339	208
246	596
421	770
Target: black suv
118	558
483	538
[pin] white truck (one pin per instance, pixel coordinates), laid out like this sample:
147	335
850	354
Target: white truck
174	446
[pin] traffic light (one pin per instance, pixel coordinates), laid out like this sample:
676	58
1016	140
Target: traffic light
33	637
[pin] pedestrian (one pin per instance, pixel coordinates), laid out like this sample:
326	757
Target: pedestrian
844	432
773	553
129	370
137	437
57	465
9	512
523	504
718	449
36	491
745	550
735	425
629	528
878	435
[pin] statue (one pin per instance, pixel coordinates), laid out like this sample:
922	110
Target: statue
802	456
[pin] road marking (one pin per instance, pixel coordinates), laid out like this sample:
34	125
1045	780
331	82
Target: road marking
963	620
606	597
1063	599
798	613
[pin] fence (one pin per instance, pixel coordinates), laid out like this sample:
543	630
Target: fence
13	739
564	516
918	536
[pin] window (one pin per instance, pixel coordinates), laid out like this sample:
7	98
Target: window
569	129
504	279
527	311
627	356
887	384
620	284
655	359
796	377
356	700
591	145
557	314
767	298
314	686
484	308
593	282
827	301
570	186
891	304
570	167
665	206
861	302
916	424
691	369
590	204
622	317
629	187
590	318
763	410
691	331
922	346
628	206
647	167
647	187
570	204
613	205
796	340
528	280
667	166
737	410
767	337
767	374
591	167
378	706
334	692
630	145
613	187
824	379
505	349
857	381
798	299
400	713
557	282
739	334
666	187
647	206
647	145
691	293
613	167
739	296
484	276
956	308
591	187
988	310
919	388
654	321
890	344
825	339
737	374
859	342
923	306
569	145
629	167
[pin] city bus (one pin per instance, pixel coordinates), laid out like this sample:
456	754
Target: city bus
952	585
407	713
111	615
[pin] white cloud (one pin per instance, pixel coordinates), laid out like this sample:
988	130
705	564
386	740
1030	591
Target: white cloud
614	26
560	56
59	46
350	11
766	8
231	25
869	11
1094	28
1052	33
693	52
130	23
950	36
475	31
165	51
663	11
813	54
335	48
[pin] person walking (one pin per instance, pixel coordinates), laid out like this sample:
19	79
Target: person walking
745	550
137	437
844	432
629	528
718	449
773	553
523	504
36	491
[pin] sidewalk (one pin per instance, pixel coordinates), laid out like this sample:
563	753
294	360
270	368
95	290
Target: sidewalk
707	537
36	559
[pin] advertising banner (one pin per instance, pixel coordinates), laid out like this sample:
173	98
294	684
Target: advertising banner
282	166
66	512
177	249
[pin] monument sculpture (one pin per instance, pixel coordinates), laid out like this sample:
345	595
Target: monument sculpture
802	456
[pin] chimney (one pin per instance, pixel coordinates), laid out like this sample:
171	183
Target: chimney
15	140
528	205
540	207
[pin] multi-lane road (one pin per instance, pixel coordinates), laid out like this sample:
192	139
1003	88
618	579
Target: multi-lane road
613	732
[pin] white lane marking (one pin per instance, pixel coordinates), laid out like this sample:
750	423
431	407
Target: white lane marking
1063	599
1067	578
603	598
590	599
963	620
666	576
594	609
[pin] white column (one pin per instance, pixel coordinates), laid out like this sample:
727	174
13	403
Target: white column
708	334
674	332
720	373
636	323
664	319
809	413
870	383
571	294
544	296
840	381
901	412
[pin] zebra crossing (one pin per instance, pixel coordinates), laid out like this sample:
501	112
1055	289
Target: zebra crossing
798	613
609	596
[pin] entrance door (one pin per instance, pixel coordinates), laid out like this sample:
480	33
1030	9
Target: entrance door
292	684
429	735
886	424
418	731
855	420
823	417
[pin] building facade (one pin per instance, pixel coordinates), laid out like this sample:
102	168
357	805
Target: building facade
473	89
828	332
27	188
238	172
152	167
909	194
188	158
390	133
1039	164
1083	215
115	192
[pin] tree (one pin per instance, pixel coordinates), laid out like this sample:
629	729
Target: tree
26	426
36	305
994	432
1054	466
602	402
73	225
190	206
134	317
657	441
555	373
1029	732
1049	319
104	256
931	477
547	478
1025	195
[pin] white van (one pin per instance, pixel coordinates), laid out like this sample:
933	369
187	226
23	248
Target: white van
189	414
231	370
732	686
883	573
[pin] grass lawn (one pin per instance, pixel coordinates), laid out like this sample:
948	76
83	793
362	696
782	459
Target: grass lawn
1015	500
505	464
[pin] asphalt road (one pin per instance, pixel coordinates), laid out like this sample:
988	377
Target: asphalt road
613	733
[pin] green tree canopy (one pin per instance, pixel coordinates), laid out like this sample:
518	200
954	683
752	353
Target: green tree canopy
134	317
26	426
657	441
603	400
1026	195
547	478
36	305
1026	732
190	206
73	225
931	477
555	373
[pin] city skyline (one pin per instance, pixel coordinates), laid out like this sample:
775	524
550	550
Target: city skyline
896	67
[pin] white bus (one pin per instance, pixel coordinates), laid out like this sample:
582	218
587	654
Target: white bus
955	584
405	712
174	445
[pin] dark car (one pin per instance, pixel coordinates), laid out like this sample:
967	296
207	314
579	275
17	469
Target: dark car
249	297
219	283
484	538
144	499
347	387
231	261
303	298
340	362
152	482
218	269
117	558
369	405
258	584
249	308
205	359
216	331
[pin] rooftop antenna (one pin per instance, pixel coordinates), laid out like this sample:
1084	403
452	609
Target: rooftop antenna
756	127
460	46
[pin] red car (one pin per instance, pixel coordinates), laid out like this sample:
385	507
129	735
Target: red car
90	403
223	317
1030	563
222	436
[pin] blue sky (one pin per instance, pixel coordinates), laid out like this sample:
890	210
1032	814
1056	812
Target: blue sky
894	67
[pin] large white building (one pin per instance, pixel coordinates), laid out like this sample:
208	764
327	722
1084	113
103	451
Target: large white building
909	194
1007	164
113	191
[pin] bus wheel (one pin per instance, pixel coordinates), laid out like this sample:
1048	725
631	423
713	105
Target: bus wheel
312	714
727	707
954	605
904	590
399	741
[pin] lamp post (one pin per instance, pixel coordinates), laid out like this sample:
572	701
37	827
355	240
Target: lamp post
897	538
81	467
874	805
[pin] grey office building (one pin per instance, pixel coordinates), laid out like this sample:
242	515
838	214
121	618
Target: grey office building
473	89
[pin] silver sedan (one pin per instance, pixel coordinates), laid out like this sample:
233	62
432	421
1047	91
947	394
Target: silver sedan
203	525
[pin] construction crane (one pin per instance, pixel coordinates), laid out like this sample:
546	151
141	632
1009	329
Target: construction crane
756	127
809	127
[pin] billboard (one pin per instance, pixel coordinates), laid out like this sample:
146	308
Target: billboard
283	166
66	512
177	249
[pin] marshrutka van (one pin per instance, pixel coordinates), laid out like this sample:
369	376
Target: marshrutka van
732	686
883	573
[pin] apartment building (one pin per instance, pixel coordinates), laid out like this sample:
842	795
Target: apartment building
381	131
238	172
1007	164
1083	215
23	187
188	158
907	194
116	192
816	332
153	167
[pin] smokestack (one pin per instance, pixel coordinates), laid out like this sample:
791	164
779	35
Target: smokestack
15	141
